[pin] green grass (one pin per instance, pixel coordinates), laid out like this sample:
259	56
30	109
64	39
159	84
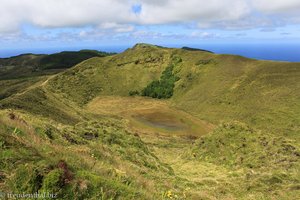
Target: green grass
55	136
37	101
29	65
99	159
213	87
13	86
270	164
232	162
238	145
116	75
20	72
67	59
263	94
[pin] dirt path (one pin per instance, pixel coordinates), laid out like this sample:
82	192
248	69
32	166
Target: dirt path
38	84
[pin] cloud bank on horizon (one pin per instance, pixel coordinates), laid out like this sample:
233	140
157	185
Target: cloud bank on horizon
63	20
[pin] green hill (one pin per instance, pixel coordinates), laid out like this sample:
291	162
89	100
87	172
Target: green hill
155	123
215	88
31	64
19	72
68	59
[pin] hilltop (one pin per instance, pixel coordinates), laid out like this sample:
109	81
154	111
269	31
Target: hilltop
155	122
26	64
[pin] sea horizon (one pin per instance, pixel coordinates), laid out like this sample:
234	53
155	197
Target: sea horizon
272	52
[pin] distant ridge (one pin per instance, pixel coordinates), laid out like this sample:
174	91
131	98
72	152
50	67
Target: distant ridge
195	49
64	59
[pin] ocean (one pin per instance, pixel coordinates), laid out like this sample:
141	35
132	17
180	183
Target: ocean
277	52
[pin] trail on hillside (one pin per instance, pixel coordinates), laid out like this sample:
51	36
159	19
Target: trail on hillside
36	85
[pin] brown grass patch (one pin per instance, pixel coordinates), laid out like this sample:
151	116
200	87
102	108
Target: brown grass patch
147	115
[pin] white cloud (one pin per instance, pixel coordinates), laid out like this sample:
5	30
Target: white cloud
203	35
73	13
277	6
117	15
119	28
62	13
193	10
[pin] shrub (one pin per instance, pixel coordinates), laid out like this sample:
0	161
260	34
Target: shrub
163	88
48	133
134	93
205	62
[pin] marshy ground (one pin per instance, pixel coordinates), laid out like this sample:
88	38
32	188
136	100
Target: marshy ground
149	115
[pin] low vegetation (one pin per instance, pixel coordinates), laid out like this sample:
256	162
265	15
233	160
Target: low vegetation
238	145
225	127
164	87
94	159
17	73
205	62
67	59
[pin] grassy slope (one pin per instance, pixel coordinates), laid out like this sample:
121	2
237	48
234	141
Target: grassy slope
65	59
233	162
113	75
94	159
212	87
13	86
264	94
19	72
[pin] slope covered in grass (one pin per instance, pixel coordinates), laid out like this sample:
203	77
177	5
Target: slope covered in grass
18	73
27	65
79	134
264	94
94	159
233	162
238	145
269	163
114	75
13	86
67	59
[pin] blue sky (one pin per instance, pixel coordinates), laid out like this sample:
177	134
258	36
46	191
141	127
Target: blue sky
29	24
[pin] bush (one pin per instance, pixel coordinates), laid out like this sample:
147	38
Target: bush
163	88
134	93
205	62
